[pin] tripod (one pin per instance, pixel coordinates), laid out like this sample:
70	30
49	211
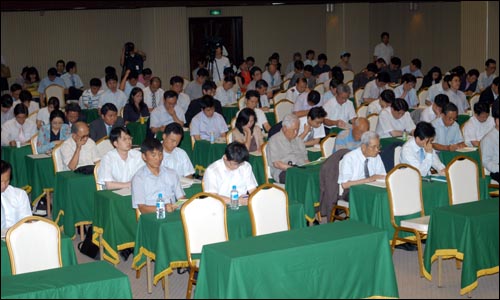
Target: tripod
211	64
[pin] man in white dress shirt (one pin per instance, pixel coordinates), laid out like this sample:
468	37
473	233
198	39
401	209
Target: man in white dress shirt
119	165
273	77
252	101
113	94
300	87
339	109
385	100
456	96
183	100
486	78
302	106
489	146
311	128
15	201
208	121
406	90
174	157
394	120
448	134
413	68
362	165
20	129
225	93
232	169
153	94
375	87
418	151
384	49
167	113
430	113
479	125
80	149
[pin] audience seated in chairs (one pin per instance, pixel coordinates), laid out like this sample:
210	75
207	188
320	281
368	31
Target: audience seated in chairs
53	133
351	138
448	134
246	131
20	129
339	109
479	125
231	170
195	106
208	121
80	149
394	120
174	157
489	146
109	120
15	201
311	128
286	149
252	101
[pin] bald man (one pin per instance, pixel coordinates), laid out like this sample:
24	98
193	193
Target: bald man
80	149
351	138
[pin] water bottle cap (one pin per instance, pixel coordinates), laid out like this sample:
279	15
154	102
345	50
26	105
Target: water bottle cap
160	195
234	187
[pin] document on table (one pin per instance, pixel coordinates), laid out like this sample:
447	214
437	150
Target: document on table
123	192
188	182
38	156
467	149
378	183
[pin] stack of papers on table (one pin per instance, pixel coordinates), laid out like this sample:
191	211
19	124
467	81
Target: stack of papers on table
123	192
378	183
467	149
188	182
38	156
314	149
436	177
256	153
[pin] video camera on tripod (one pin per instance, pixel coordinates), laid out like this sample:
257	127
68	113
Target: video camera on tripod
211	44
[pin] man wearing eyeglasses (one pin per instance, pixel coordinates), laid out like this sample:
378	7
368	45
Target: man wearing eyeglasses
448	134
79	150
362	165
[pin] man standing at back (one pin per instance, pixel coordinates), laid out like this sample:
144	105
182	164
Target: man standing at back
384	49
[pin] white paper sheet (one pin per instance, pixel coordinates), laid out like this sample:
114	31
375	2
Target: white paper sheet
123	192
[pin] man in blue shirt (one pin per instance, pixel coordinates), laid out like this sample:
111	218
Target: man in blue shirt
351	138
49	80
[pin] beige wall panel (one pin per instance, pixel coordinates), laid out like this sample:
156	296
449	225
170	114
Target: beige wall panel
492	32
473	34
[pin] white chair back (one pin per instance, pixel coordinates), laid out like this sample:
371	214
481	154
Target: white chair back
185	84
98	186
284	85
57	160
33	141
268	208
229	136
404	186
348	75
422	95
473	100
242	102
320	88
57	91
103	146
358	94
279	96
32	116
327	145
463	180
349	84
282	108
267	169
233	122
419	82
397	155
373	119
34	245
362	111
204	221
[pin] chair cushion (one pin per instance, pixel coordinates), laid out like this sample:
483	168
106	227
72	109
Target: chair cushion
343	203
421	224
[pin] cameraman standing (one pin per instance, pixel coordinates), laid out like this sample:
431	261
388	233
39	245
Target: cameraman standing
132	59
218	64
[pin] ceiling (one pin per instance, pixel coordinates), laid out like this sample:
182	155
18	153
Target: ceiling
125	4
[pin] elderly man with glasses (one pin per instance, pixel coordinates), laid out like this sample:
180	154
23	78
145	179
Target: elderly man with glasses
80	149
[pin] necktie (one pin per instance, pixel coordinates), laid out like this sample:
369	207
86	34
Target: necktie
422	154
108	130
272	80
72	80
21	135
153	99
309	135
367	172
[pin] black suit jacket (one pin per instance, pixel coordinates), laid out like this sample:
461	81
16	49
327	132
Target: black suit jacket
487	96
195	107
98	129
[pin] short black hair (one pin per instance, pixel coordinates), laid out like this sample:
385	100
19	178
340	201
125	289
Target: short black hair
150	144
208	85
400	104
207	101
384	34
383	77
133	75
54	101
202	72
25	96
111	76
252	93
255	69
424	130
371	67
408	78
230	78
450	107
261	83
314	97
309	52
56	113
52	72
388	96
7	101
147	71
490	61
481	107
108	107
117	132
170	94
176	79
250	58
473	72
441	100
396	61
337	74
496	81
299	65
15	87
174	128
236	152
322	56
316	112
72	106
70	65
308	68
20	109
95	82
417	63
5	166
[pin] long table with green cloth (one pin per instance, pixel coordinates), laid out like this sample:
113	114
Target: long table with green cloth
447	156
468	232
68	255
15	156
41	175
90	114
461	119
95	280
163	240
331	261
138	132
205	153
185	143
73	202
370	204
115	220
229	112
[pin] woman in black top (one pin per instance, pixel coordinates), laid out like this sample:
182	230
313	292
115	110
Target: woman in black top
135	108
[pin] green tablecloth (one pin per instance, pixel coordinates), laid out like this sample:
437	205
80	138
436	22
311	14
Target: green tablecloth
41	175
302	185
370	204
73	203
95	280
447	156
185	143
384	142
68	255
229	112
163	240
258	168
469	232
137	131
271	118
313	153
15	156
205	153
462	119
90	114
336	130
115	219
327	261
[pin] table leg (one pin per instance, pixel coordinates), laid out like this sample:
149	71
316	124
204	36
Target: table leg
440	260
101	247
148	275
82	235
48	195
165	287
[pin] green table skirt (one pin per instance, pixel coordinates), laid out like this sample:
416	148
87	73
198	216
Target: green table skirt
447	156
137	131
462	119
205	153
95	280
68	255
16	157
41	175
73	203
330	261
302	185
229	112
90	115
163	240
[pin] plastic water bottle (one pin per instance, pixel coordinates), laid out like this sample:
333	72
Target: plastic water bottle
212	137
405	135
234	199
238	95
160	207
